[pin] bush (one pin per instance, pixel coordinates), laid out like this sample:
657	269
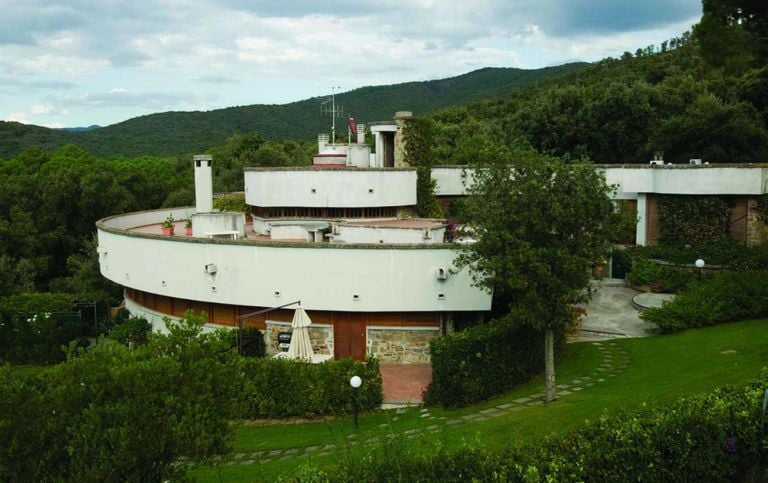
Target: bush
116	414
132	331
660	277
714	437
483	361
723	297
275	388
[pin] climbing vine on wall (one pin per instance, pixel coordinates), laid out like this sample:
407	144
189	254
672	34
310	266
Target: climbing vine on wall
418	154
691	220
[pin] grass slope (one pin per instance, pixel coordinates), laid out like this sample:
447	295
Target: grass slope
660	370
172	133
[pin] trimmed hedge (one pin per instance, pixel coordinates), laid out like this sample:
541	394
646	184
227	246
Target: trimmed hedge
723	297
276	388
482	361
714	437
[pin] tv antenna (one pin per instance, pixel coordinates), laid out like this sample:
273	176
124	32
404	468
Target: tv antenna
329	107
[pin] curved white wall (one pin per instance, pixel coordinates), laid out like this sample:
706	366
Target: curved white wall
323	277
336	188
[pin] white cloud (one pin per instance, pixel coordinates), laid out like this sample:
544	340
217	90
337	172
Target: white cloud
177	54
61	65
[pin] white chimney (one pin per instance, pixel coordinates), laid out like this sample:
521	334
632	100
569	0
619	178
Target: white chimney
322	141
203	183
361	134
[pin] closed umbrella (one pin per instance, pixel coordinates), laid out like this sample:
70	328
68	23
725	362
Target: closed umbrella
301	346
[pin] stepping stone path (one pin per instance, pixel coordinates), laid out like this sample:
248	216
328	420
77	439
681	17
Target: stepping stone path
615	360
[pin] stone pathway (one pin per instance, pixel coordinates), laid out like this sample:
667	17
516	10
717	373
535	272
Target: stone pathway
610	314
614	360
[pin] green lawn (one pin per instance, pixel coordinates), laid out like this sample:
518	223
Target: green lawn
660	370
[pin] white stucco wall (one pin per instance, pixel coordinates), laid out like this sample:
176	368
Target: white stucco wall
452	180
323	277
337	188
687	180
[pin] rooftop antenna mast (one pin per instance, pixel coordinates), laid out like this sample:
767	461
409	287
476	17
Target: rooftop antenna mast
333	110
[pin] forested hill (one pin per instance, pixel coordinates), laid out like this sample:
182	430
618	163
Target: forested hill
172	133
702	95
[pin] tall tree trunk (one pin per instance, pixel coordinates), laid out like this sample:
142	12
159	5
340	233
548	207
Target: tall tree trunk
549	365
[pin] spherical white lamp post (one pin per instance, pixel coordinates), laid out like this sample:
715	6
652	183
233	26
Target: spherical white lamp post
699	264
355	382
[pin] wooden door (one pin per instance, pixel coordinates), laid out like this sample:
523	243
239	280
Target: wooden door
348	336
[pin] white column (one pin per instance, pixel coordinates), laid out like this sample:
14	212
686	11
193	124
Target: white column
642	222
203	183
379	149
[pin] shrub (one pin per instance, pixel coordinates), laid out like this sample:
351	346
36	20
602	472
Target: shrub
275	388
660	277
115	414
723	297
483	361
132	331
713	437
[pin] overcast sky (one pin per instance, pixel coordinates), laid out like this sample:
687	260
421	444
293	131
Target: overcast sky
82	62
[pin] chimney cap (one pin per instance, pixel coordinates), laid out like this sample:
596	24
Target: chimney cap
403	114
202	157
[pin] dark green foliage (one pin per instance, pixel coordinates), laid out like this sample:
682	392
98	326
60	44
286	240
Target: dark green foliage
135	330
691	220
418	154
722	297
275	388
176	133
483	361
713	437
724	251
540	225
660	276
34	328
115	414
252	345
231	202
621	111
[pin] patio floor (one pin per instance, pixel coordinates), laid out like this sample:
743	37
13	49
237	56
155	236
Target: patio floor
405	383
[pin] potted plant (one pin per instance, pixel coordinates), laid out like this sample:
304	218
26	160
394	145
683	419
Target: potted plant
167	225
188	226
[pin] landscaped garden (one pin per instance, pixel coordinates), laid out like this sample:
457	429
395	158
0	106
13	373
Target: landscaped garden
597	380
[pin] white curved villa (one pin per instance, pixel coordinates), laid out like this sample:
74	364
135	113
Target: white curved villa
339	236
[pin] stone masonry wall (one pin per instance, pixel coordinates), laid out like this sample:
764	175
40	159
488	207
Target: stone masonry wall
320	335
401	119
757	231
400	345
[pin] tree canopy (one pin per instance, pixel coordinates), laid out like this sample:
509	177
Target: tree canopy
539	225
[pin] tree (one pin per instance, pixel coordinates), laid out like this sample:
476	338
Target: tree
539	225
733	33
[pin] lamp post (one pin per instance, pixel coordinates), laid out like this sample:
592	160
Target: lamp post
699	264
355	382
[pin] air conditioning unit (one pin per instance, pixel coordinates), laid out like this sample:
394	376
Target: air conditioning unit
442	273
211	268
697	162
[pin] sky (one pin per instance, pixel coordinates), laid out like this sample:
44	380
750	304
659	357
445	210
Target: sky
82	62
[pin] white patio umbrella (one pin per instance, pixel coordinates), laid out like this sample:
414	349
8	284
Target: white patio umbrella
301	346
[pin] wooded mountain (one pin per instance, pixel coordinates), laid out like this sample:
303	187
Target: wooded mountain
172	133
